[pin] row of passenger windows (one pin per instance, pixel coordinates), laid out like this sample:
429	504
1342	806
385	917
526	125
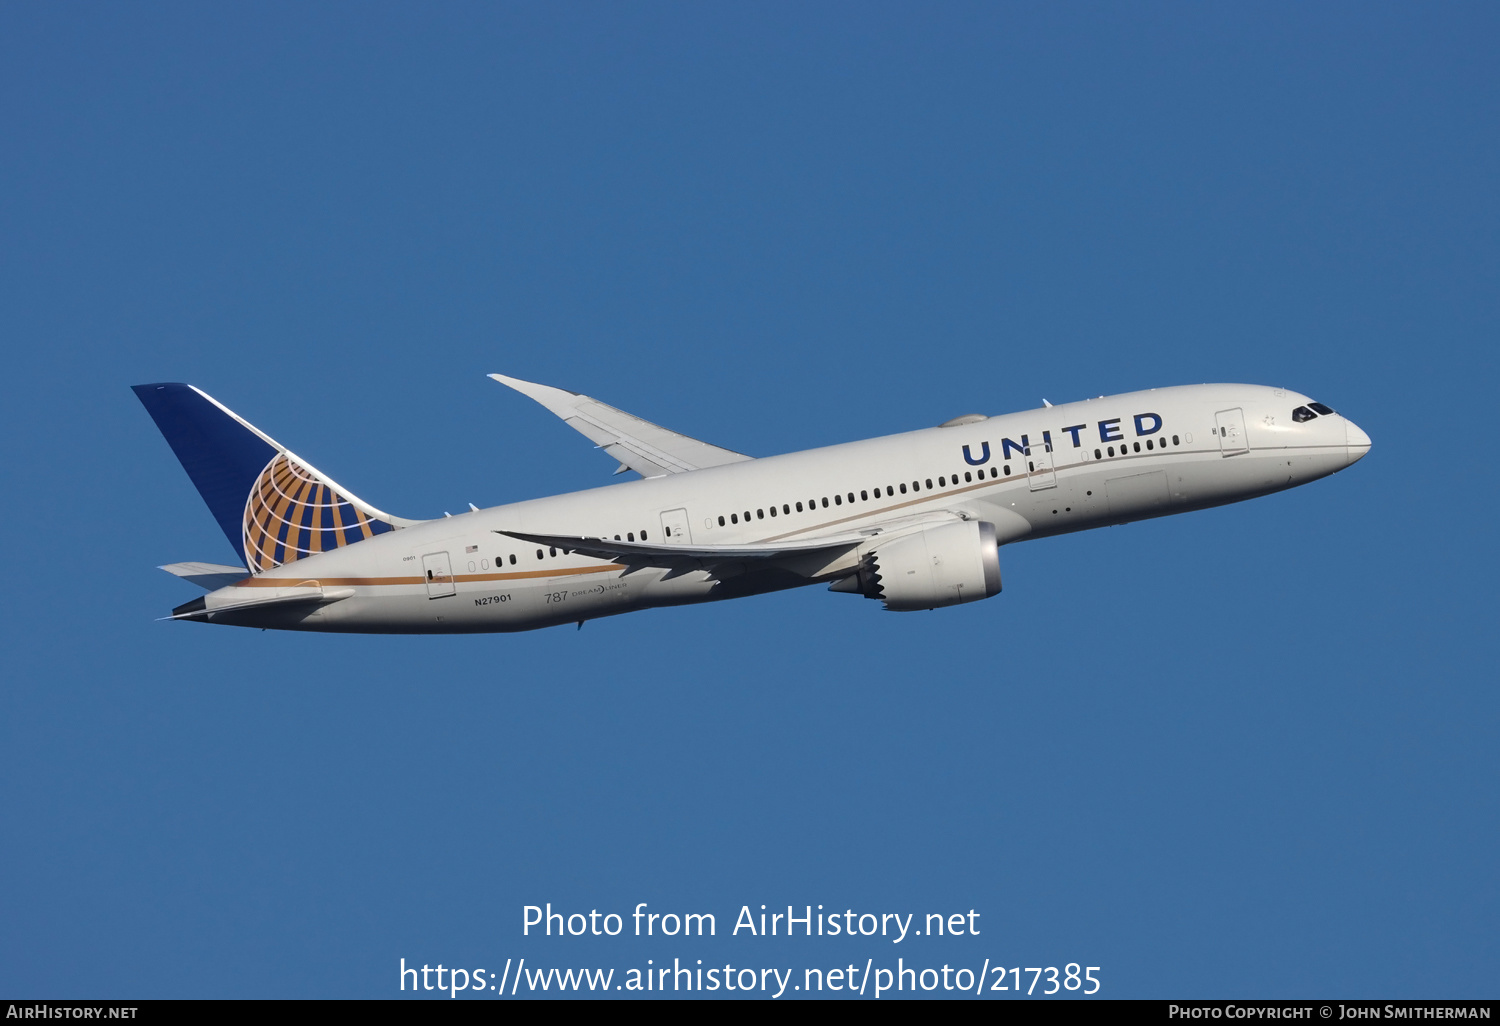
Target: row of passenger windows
864	495
1162	444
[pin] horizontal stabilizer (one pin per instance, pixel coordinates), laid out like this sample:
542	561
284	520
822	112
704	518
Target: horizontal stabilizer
299	597
649	449
208	576
683	558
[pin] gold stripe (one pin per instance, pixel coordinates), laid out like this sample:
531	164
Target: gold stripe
296	509
292	507
278	502
315	539
264	558
338	519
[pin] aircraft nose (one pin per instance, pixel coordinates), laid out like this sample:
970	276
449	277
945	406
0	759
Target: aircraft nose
1356	441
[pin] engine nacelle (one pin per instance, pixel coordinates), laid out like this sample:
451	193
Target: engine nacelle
935	567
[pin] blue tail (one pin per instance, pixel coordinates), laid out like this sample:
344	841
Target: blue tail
273	507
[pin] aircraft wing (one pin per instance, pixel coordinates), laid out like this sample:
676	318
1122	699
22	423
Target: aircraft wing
648	449
807	557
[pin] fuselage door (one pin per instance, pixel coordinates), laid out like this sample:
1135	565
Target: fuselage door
674	527
1232	437
439	574
1039	467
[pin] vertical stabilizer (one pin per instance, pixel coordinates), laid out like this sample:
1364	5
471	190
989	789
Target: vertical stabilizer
273	506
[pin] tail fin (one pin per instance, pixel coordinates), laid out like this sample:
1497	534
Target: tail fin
273	506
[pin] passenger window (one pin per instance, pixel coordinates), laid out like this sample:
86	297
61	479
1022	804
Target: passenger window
721	521
787	509
643	536
1175	441
903	487
929	484
825	502
1007	470
838	500
799	507
1302	413
512	559
1111	450
539	554
773	511
1137	446
942	483
760	514
994	472
968	476
1098	455
734	518
851	497
552	553
1320	408
1148	443
864	496
747	516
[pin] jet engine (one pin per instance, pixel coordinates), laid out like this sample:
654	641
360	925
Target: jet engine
935	567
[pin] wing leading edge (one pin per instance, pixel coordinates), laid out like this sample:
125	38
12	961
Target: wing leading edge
646	448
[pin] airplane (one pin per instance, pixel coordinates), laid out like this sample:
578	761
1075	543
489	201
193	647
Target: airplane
913	520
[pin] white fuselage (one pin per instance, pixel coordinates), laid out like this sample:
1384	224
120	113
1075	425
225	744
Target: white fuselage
1208	445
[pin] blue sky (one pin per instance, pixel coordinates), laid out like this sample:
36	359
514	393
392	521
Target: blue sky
1242	752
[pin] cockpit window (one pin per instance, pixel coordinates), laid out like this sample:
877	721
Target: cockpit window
1302	413
1320	408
